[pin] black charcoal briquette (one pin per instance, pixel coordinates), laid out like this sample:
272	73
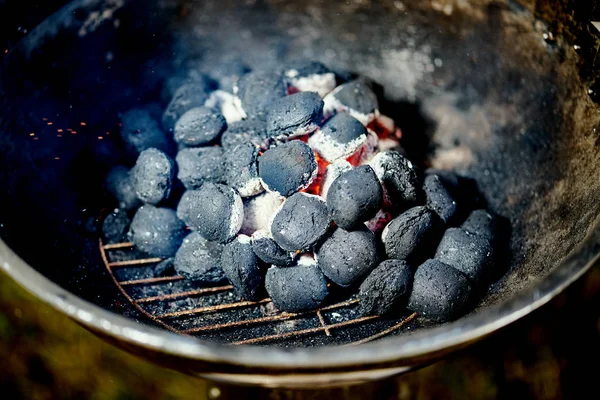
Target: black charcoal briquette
269	251
387	287
200	164
199	126
346	257
119	183
469	253
398	176
356	98
439	291
140	131
310	76
463	189
153	176
251	130
295	115
340	137
258	90
411	236
115	226
214	210
157	231
287	168
298	288
439	198
199	259
241	170
354	197
186	97
483	223
164	268
243	268
193	76
301	222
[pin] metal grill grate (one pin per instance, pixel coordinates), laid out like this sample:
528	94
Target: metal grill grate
216	313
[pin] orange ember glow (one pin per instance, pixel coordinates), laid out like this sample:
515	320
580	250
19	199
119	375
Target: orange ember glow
315	186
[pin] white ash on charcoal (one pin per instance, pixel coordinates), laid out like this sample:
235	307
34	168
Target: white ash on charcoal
310	77
398	177
439	199
469	253
412	235
294	115
199	259
199	126
153	176
340	137
251	130
332	172
354	197
298	288
356	98
216	211
115	226
259	211
267	249
157	231
287	168
140	131
119	183
164	268
200	164
241	170
227	105
186	97
301	221
346	257
256	91
439	292
386	288
243	268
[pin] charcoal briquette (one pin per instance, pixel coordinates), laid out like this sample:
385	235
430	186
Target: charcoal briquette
332	172
399	178
243	268
310	76
216	211
251	130
346	257
258	90
200	164
269	251
241	170
199	259
386	288
439	292
119	184
199	126
287	168
191	76
340	137
115	226
356	98
298	288
463	189
301	222
157	231
483	223
469	253
186	97
439	199
153	176
412	235
294	115
164	268
354	197
140	131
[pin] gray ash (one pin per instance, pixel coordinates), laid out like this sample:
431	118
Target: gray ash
251	130
439	199
386	288
346	257
115	226
301	222
153	176
186	97
295	115
215	211
157	231
439	291
269	251
340	137
243	268
354	197
310	76
140	131
241	170
199	126
356	98
200	164
199	259
287	168
119	184
258	90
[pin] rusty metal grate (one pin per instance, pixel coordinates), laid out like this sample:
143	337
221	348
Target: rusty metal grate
215	313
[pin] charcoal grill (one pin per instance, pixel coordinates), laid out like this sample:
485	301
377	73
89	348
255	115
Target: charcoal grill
503	91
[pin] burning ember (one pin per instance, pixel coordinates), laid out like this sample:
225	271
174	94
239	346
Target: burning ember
290	185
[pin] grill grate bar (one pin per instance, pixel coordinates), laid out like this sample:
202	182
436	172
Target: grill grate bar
134	263
385	332
190	293
114	246
152	280
323	324
219	307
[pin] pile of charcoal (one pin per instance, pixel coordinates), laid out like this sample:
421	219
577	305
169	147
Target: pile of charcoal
293	185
